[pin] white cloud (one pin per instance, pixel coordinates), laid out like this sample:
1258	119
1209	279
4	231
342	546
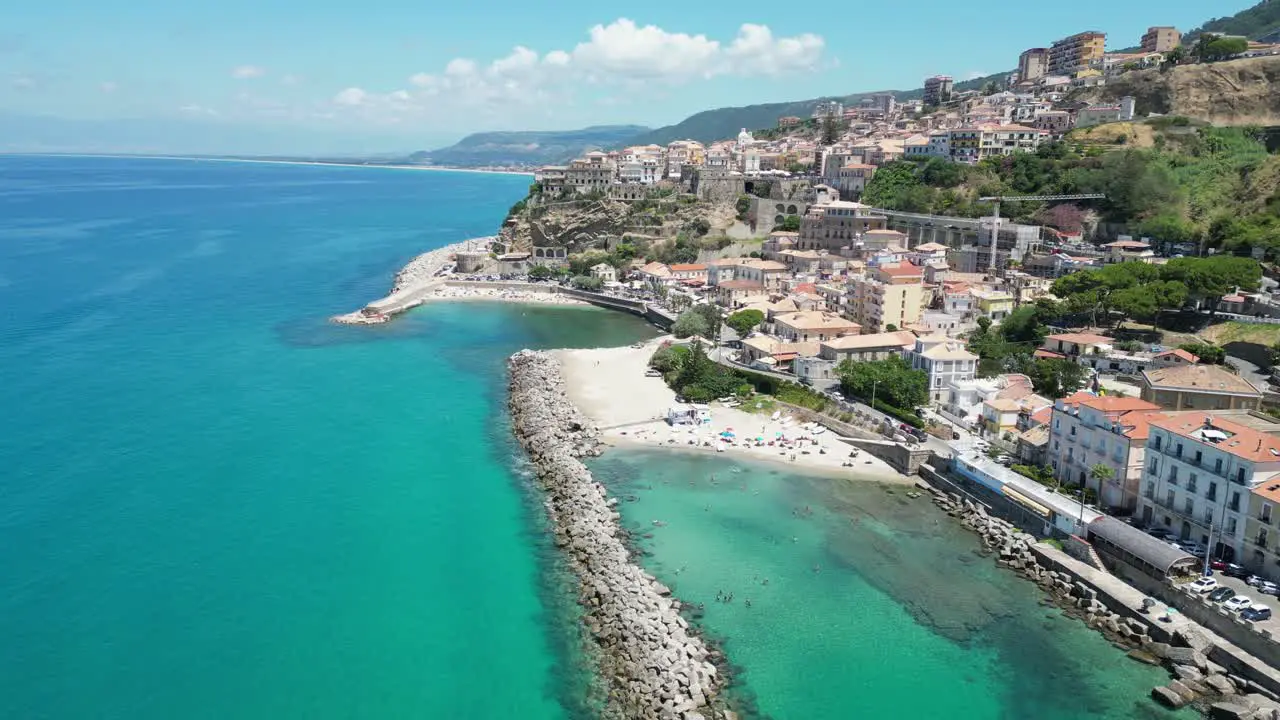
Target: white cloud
351	97
108	87
290	80
619	55
247	72
198	110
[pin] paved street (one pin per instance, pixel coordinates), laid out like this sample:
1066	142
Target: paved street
1270	601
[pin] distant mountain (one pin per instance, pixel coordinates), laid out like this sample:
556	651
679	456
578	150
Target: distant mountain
710	125
1260	22
527	147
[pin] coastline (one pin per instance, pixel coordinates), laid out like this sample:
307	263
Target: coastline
188	158
609	386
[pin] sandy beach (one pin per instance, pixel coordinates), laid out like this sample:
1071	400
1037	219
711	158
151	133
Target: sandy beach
455	293
610	387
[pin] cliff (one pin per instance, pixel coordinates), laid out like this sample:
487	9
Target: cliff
1238	92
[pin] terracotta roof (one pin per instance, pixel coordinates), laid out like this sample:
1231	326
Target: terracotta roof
901	338
809	288
688	267
878	233
1189	357
1199	378
1003	405
1128	244
1048	355
1241	441
767	265
931	247
1117	403
741	285
1042	416
1137	423
1233	298
655	268
902	270
1081	338
1269	491
949	351
814	320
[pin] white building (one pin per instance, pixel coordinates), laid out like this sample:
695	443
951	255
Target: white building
1088	431
945	361
1200	471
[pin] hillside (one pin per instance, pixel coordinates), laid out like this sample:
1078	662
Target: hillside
721	123
528	147
1260	22
1238	92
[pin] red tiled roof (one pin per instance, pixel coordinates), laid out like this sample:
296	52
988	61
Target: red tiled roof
1244	442
902	270
1189	357
1117	403
1080	338
688	267
1041	416
1047	355
809	288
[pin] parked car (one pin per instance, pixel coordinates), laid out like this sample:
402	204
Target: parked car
1234	570
1162	534
1267	587
1221	594
1194	548
1257	613
1204	585
1254	580
652	373
1238	603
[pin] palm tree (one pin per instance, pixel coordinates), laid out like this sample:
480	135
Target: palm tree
1099	473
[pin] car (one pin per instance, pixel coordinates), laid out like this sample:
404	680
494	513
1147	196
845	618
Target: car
1266	587
1238	603
1221	594
1162	534
1194	548
1234	570
1254	580
652	373
1204	585
1256	613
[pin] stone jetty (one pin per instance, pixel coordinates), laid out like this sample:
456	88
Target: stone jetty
653	664
1195	680
413	283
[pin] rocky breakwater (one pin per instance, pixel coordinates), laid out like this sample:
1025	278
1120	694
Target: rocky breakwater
413	284
1195	680
653	664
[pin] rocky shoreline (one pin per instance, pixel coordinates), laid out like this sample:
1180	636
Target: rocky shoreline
1195	680
410	286
653	664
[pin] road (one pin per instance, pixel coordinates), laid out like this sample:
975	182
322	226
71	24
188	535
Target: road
1269	600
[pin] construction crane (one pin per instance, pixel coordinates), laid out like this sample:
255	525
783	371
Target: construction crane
995	226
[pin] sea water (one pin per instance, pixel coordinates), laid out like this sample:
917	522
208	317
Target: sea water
214	503
852	599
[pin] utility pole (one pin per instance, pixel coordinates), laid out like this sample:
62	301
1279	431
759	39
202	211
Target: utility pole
995	224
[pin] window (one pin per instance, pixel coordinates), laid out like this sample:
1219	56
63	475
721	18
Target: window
1155	444
1151	490
1231	527
1199	455
1217	466
1073	431
1151	467
1188	506
1212	494
1177	452
1168	499
1265	514
1191	483
1234	505
1240	475
1173	476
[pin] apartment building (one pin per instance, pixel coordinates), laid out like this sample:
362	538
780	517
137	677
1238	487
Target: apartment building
1076	52
1262	531
1161	39
975	143
1200	476
889	295
768	274
1033	64
867	348
1122	111
1199	387
945	361
852	179
813	327
1054	123
837	224
937	89
594	171
1088	431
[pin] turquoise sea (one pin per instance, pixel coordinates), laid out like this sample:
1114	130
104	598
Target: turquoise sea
215	504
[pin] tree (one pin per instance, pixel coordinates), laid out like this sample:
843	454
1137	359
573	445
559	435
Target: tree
1211	49
1067	217
1056	378
1024	326
586	282
990	88
541	272
743	206
1208	353
790	223
1101	473
712	316
891	381
691	323
744	321
1174	56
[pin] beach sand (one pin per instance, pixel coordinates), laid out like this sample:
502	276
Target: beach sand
609	386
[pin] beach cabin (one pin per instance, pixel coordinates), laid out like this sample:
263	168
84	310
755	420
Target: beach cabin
692	414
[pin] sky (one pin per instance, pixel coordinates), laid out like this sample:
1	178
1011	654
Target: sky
324	76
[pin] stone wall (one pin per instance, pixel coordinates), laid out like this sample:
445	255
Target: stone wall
653	664
1195	679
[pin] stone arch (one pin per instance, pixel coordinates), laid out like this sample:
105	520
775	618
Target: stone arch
781	208
791	210
778	219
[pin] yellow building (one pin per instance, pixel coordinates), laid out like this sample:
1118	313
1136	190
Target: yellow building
888	300
1077	52
995	304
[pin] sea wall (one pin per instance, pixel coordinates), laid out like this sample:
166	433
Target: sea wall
1195	678
653	664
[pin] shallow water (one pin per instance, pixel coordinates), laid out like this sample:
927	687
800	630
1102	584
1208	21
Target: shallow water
876	605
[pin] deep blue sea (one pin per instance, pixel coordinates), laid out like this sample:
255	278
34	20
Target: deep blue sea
216	504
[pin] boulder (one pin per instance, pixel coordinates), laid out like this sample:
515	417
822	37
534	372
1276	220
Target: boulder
1220	685
1230	711
1167	697
1186	672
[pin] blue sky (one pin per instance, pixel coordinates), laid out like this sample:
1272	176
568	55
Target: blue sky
391	75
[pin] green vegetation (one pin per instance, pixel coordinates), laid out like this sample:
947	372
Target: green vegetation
744	321
700	320
1208	353
586	282
1254	23
541	272
697	378
1143	292
790	223
1223	48
1009	348
743	206
1214	186
890	386
528	148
